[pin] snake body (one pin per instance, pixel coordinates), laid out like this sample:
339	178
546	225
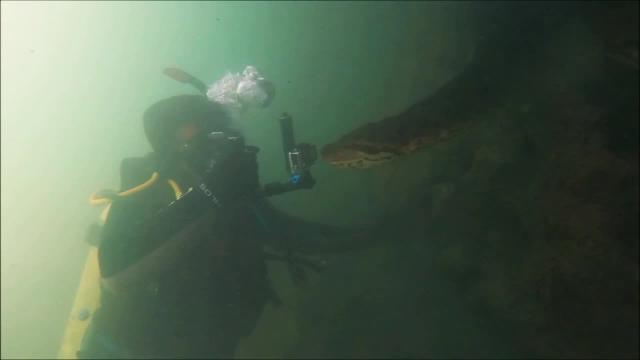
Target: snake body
505	63
437	118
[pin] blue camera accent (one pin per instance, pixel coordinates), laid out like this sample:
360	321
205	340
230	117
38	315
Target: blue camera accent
296	179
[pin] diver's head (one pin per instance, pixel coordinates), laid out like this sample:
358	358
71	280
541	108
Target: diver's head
172	122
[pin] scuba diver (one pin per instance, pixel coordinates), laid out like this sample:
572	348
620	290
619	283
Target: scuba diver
181	254
182	273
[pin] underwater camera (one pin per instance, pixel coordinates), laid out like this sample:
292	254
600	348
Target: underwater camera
211	148
299	158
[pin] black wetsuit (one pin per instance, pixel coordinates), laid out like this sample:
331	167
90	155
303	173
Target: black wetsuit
198	309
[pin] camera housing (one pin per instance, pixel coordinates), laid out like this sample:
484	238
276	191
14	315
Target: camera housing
301	158
206	150
298	160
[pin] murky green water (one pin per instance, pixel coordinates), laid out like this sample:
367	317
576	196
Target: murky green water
516	238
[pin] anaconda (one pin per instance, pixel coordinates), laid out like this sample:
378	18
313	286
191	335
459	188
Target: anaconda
503	65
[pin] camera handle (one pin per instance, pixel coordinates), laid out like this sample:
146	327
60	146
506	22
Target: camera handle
300	177
304	181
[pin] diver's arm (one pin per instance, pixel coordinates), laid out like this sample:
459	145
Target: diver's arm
151	246
173	250
136	252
